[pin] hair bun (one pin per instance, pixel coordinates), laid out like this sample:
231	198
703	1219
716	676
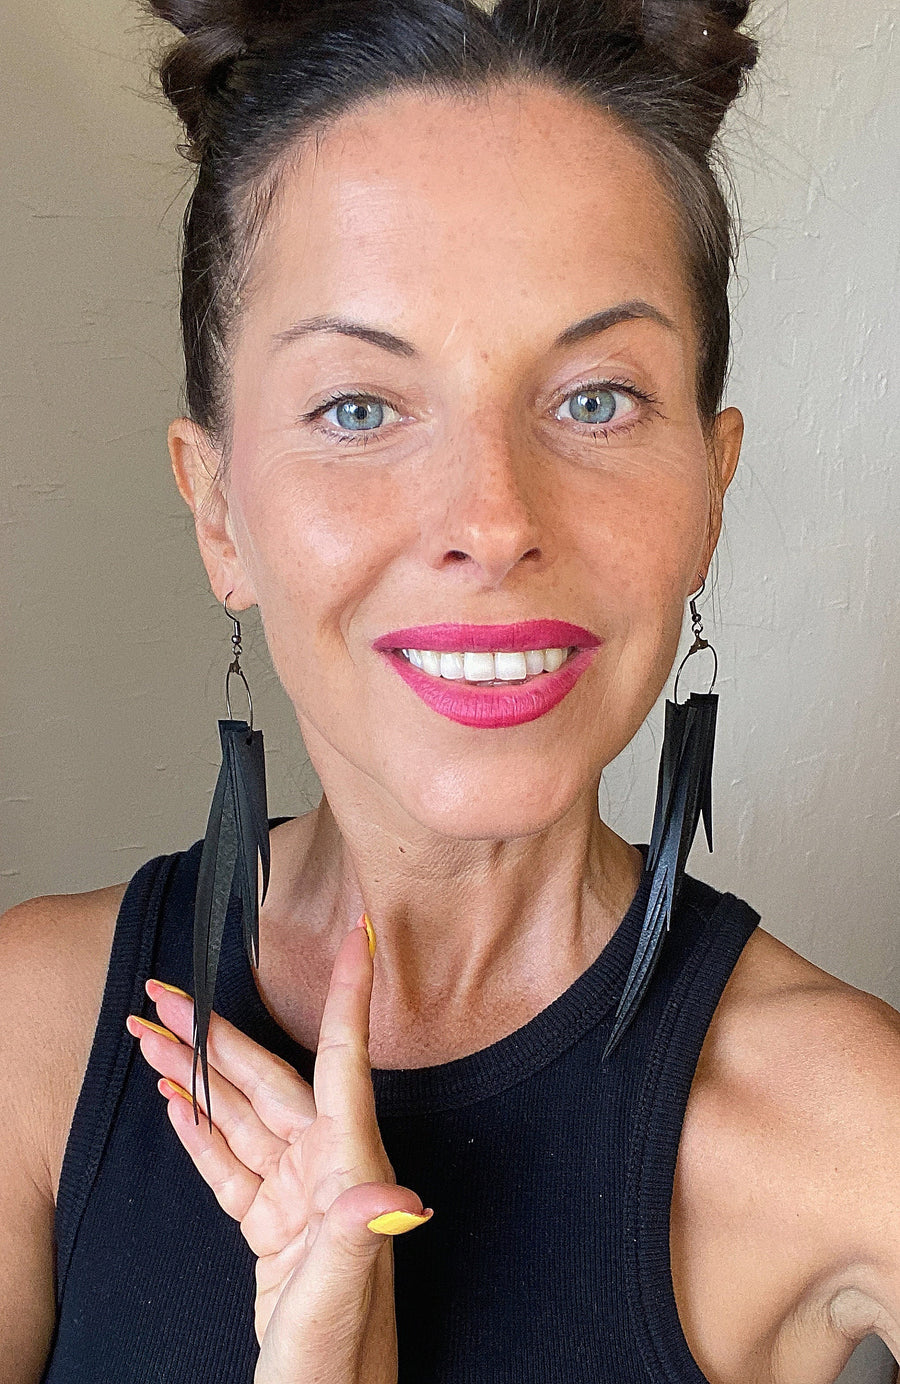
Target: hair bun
701	40
687	55
215	33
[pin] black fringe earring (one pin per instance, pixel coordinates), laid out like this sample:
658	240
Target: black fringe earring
683	795
236	843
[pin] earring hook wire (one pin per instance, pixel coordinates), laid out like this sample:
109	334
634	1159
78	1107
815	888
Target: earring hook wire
235	667
699	642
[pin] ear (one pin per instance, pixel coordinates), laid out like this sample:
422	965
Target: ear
197	465
724	450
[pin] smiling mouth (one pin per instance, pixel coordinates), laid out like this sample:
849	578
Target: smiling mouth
498	668
490	677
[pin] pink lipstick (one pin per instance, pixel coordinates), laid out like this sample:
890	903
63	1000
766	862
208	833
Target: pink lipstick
498	703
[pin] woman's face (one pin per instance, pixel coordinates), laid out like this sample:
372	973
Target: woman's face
445	468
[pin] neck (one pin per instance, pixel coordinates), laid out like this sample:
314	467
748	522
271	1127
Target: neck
471	933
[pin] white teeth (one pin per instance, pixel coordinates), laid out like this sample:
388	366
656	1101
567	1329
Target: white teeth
507	665
478	667
510	666
452	666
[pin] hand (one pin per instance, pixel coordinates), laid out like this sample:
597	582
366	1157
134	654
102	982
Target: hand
305	1172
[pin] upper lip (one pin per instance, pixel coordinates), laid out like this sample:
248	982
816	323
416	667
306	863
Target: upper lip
524	635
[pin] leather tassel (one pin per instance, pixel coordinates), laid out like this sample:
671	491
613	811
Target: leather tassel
684	795
236	841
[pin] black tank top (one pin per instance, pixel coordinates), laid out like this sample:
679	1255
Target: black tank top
551	1176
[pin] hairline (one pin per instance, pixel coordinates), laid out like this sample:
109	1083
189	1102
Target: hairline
259	198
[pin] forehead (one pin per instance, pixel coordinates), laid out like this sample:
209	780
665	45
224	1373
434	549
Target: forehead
499	207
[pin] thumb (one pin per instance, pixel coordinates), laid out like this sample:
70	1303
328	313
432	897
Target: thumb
326	1297
356	1222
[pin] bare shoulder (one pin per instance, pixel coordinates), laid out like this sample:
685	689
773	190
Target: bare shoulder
54	956
808	1048
790	1039
795	1104
54	953
782	1018
788	1046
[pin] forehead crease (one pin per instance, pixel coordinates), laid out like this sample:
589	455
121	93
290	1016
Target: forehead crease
381	224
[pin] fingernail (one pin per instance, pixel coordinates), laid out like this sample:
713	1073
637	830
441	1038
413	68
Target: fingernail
148	1023
179	1090
396	1222
173	989
366	922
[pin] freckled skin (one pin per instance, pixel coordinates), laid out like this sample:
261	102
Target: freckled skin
477	231
561	215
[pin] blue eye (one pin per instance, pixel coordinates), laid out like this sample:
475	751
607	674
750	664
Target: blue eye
355	415
597	407
358	413
595	404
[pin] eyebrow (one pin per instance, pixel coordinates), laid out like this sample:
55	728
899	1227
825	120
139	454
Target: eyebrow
632	311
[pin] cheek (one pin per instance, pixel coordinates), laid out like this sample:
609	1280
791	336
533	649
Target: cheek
643	533
314	536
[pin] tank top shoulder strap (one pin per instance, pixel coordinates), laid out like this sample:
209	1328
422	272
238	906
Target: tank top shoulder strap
152	936
131	956
708	934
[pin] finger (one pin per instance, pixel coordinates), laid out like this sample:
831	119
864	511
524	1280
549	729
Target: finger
342	1077
234	1185
271	1217
278	1094
250	1140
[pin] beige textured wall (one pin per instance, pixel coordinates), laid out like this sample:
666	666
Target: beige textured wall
114	650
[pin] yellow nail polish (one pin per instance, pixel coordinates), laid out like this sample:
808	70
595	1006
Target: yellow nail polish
157	1028
173	989
180	1089
370	933
396	1222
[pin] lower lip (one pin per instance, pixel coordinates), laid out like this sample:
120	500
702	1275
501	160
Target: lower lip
489	708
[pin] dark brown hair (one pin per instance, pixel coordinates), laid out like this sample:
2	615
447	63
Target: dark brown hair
252	78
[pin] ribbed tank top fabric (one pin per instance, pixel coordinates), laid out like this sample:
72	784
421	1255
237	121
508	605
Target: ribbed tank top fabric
550	1172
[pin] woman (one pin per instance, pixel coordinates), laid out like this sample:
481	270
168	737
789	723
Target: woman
456	331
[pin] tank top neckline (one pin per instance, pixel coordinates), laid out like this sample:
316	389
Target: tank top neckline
586	1002
589	1230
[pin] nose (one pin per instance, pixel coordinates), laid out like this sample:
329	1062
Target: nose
489	517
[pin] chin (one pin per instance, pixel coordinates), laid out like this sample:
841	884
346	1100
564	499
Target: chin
463	810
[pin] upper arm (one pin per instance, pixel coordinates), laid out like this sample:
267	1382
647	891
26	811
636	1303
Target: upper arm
862	1146
54	952
26	1200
